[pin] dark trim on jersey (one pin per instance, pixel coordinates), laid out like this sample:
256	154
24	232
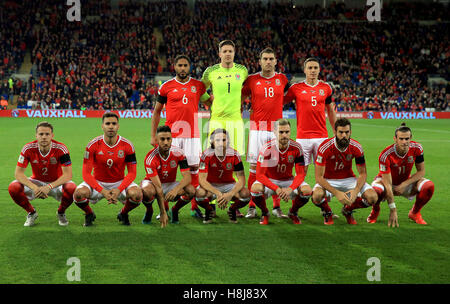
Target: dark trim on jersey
130	158
183	164
300	160
420	159
328	100
162	99
239	167
360	160
65	159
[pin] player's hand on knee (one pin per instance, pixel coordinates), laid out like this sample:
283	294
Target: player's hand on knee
352	195
170	196
343	198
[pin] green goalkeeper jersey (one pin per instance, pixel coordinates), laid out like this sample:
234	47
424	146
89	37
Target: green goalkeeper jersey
226	87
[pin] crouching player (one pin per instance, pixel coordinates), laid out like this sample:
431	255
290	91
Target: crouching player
395	179
52	174
161	165
335	177
274	173
217	165
108	155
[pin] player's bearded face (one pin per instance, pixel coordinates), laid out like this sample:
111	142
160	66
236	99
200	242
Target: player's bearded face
402	141
182	68
164	141
283	135
343	137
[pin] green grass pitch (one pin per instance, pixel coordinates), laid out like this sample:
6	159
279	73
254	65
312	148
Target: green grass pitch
223	252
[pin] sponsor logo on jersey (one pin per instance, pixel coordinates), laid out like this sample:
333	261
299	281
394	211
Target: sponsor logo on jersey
218	78
304	92
53	161
100	153
258	83
120	154
35	161
214	165
175	90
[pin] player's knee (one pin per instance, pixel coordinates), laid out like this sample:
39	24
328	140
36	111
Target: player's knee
244	193
427	186
305	190
257	187
14	188
371	196
135	194
69	188
148	193
189	191
81	194
317	195
200	193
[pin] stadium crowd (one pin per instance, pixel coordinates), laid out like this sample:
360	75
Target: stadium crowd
108	61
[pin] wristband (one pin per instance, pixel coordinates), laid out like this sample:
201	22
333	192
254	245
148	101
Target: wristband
392	206
50	186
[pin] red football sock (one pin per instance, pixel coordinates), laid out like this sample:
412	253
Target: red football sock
425	193
299	202
205	204
129	205
84	205
238	204
67	197
323	205
180	204
251	180
260	201
276	201
380	192
148	206
194	182
357	204
16	191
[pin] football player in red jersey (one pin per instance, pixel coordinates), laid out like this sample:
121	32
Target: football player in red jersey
266	89
217	166
181	95
276	160
335	177
52	174
161	165
108	155
395	179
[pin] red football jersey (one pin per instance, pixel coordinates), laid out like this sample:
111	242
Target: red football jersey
109	161
181	100
338	165
220	171
310	103
166	169
276	164
45	168
400	167
267	99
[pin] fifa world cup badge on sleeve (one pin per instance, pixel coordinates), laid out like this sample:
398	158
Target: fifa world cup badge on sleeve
319	159
21	159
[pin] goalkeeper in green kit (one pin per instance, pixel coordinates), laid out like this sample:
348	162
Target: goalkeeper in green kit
226	80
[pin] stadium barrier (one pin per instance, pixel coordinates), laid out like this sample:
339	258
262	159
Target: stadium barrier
148	114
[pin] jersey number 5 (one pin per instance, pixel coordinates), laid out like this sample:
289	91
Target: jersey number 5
313	101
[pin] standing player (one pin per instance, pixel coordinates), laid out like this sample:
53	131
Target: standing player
161	165
335	177
108	155
52	174
226	80
276	160
267	92
217	166
395	179
312	98
181	96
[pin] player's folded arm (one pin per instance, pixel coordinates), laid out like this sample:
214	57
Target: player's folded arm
300	172
131	162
